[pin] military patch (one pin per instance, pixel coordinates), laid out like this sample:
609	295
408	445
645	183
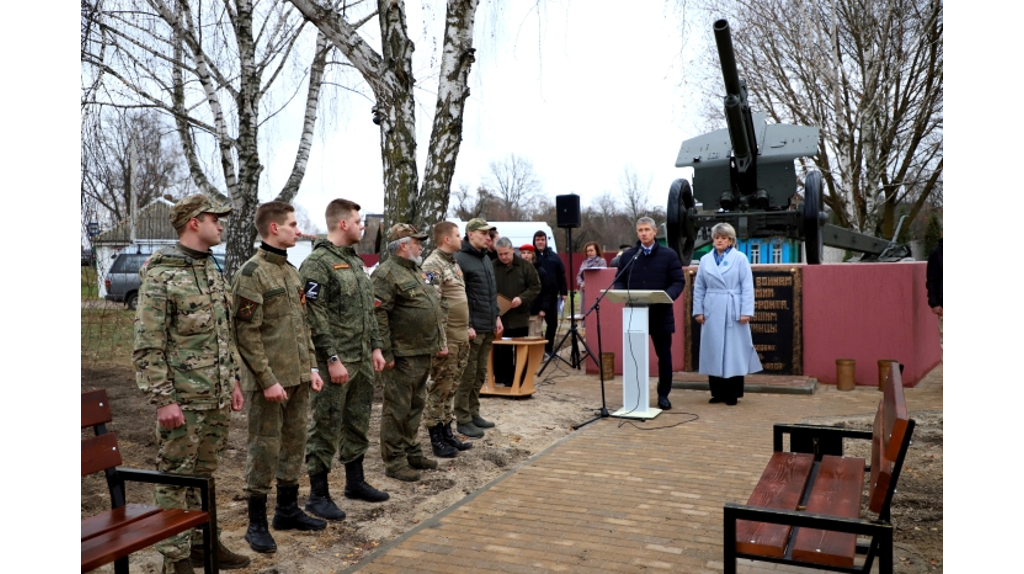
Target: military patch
302	297
430	277
376	302
247	308
341	266
312	290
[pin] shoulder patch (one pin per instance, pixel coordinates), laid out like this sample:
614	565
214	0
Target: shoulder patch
247	308
312	290
249	268
341	266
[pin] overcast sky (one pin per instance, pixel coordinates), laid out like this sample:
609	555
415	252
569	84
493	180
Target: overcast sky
580	92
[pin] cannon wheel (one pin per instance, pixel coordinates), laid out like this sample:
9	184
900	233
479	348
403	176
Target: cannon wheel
682	233
812	218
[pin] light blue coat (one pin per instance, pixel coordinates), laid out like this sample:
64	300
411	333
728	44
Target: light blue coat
722	293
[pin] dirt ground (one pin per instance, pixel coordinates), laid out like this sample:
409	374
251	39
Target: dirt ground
538	422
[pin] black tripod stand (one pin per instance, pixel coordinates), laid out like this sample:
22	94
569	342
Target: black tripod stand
575	359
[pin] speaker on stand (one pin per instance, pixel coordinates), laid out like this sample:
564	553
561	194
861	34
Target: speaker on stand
568	212
567	209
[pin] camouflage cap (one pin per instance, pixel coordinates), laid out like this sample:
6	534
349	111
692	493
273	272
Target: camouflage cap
478	224
192	206
400	230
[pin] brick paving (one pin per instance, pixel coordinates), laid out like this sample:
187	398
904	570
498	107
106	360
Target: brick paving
627	496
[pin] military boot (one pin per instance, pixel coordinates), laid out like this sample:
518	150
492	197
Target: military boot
288	516
182	566
481	422
441	446
319	501
227	559
422	463
450	438
356	487
405	473
257	535
471	430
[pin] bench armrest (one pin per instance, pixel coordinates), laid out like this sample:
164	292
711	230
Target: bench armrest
207	490
818	440
861	526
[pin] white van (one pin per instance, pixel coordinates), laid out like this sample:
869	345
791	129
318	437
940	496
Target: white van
518	232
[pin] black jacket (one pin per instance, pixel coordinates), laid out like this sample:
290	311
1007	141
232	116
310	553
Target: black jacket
481	289
934	277
548	298
552	264
659	271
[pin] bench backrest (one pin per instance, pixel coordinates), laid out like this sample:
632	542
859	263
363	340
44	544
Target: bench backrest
889	443
99	452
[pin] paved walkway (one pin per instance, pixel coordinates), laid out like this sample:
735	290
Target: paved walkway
619	496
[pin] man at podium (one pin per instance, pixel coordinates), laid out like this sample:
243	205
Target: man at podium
649	266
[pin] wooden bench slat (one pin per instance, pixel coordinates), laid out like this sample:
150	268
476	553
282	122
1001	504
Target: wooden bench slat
116	518
781	486
100	453
836	492
106	548
895	412
95	408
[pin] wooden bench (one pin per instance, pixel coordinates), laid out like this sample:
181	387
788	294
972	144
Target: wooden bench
806	508
112	535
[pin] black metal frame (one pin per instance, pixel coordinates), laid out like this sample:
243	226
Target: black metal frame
117	477
820	440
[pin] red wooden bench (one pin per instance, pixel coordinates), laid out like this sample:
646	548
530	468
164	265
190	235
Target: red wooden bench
112	535
806	509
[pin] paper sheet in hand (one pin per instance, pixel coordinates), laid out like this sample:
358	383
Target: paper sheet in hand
504	304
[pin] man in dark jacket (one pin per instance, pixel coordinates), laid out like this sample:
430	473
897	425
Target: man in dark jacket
484	325
934	284
518	282
655	268
552	265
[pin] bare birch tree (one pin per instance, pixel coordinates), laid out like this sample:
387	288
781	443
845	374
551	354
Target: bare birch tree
869	74
218	69
390	75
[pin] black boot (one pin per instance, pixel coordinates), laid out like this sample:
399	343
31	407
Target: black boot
450	438
257	535
319	502
441	447
288	516
356	486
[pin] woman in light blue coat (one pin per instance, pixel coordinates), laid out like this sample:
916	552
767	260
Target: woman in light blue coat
723	303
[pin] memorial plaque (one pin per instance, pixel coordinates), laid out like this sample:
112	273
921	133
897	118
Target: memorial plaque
776	328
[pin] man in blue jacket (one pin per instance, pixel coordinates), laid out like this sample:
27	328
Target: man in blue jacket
654	267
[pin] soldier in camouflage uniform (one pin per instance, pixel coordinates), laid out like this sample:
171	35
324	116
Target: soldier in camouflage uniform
273	340
446	372
186	361
409	319
339	298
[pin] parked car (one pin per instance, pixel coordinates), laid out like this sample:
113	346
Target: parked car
122	282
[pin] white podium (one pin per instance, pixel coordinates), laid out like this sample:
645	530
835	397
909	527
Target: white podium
636	353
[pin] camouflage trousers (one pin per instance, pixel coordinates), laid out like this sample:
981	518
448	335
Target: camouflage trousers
445	374
192	448
277	439
404	396
341	418
467	397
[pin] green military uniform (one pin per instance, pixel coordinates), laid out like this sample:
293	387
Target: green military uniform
409	319
274	342
185	354
446	372
339	296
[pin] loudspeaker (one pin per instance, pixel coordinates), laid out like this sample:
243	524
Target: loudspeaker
568	210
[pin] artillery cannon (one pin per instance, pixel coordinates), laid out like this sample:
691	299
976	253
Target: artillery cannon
745	176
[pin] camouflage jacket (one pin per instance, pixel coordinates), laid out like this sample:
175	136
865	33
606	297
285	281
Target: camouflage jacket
184	349
339	301
444	272
408	311
271	329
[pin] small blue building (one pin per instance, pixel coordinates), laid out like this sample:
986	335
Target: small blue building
763	250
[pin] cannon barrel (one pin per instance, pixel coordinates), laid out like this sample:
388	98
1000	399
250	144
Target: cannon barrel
723	38
737	113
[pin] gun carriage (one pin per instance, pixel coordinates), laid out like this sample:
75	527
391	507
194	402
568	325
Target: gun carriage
745	175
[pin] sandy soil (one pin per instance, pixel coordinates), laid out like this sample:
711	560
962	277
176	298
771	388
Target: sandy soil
538	422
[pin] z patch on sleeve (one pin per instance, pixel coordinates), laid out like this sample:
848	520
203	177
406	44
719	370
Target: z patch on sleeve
312	290
247	308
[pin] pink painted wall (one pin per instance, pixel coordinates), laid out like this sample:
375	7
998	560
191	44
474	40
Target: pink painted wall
860	311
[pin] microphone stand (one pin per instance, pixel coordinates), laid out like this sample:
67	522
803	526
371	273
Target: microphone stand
603	414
